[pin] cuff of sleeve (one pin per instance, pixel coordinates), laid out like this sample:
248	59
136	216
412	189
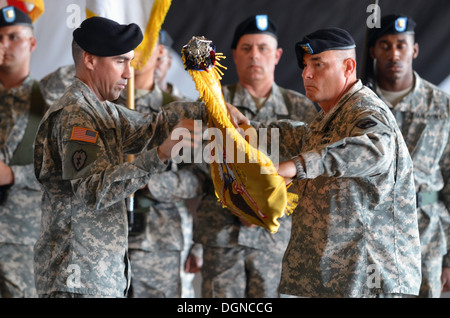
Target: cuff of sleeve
197	250
19	177
313	164
301	174
151	162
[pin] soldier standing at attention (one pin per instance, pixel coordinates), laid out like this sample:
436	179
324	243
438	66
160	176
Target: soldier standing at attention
422	111
21	109
355	231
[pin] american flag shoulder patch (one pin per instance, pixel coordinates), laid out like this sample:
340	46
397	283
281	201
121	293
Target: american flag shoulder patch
84	134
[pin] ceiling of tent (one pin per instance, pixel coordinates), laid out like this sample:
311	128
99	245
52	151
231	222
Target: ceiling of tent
217	20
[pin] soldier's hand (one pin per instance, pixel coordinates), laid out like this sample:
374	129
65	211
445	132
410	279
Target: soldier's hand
193	264
287	170
445	279
246	223
6	174
236	117
183	135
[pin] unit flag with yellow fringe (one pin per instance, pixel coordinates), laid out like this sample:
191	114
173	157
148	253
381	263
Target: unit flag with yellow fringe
245	179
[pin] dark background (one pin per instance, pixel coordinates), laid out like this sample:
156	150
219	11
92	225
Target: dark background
217	20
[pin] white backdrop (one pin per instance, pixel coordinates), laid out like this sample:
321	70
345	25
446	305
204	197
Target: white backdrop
53	31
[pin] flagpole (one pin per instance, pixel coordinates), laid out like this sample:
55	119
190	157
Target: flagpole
130	158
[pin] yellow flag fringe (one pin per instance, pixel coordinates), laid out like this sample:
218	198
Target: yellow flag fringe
202	64
208	85
151	34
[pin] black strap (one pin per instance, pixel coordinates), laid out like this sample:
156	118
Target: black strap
23	155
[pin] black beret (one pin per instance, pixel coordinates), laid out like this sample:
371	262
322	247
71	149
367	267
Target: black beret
391	24
252	25
14	16
165	38
104	37
323	40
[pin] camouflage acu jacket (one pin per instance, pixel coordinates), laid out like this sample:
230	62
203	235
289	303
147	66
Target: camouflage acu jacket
355	230
79	160
20	209
424	120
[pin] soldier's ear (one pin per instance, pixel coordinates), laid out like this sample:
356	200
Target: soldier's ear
88	60
415	50
33	43
350	66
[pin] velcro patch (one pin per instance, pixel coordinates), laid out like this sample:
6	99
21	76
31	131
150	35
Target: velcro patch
79	159
84	134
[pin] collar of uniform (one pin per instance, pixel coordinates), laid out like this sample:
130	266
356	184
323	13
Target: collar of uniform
407	103
20	90
95	103
144	96
275	98
155	95
330	115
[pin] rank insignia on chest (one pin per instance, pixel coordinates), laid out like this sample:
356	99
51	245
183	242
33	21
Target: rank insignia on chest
84	134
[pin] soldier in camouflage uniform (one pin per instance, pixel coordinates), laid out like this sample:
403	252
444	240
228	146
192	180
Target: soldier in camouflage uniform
154	249
79	159
21	109
243	260
422	112
355	230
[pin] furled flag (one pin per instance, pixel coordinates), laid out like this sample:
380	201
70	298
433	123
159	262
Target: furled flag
237	166
34	8
148	14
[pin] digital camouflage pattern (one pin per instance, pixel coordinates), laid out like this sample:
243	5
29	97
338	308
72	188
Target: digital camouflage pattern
20	210
54	84
300	108
355	230
156	251
84	232
424	120
220	230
